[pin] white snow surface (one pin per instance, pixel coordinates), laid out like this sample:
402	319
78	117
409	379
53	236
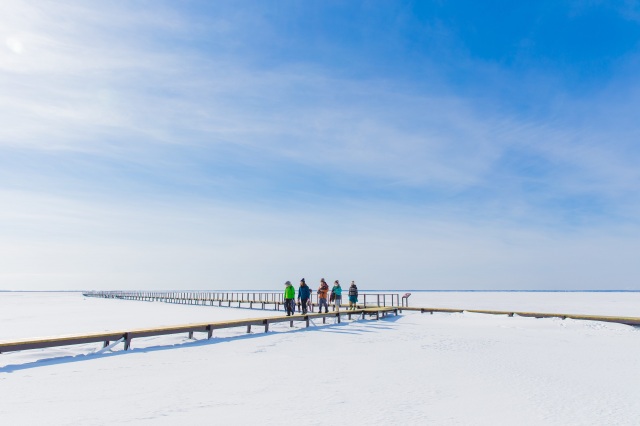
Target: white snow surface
441	369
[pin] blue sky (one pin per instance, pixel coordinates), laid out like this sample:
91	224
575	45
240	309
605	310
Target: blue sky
435	145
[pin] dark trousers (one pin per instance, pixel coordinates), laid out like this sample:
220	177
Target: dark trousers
290	306
303	303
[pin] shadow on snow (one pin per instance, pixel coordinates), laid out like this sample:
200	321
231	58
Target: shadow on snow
320	327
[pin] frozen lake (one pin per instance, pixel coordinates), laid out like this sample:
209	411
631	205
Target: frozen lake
450	369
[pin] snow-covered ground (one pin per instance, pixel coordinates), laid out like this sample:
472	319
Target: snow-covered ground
443	369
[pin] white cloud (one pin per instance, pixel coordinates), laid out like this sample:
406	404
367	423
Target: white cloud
95	80
75	80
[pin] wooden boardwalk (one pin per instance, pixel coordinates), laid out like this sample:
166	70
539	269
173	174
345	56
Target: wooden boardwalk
252	300
109	339
126	336
634	321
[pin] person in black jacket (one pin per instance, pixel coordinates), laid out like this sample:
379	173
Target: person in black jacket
353	296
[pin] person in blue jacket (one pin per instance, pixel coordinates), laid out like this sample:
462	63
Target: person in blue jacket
336	296
304	293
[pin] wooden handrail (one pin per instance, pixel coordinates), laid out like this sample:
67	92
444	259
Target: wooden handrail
209	297
208	327
620	320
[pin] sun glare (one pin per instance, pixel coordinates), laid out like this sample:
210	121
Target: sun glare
15	45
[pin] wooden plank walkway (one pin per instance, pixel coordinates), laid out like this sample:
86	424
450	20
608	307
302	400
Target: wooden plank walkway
634	321
263	300
127	336
378	312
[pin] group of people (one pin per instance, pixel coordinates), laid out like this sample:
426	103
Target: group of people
324	297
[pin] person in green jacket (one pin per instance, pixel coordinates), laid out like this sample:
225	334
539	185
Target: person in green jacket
289	298
336	295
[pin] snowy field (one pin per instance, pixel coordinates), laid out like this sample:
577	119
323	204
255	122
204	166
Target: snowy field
441	369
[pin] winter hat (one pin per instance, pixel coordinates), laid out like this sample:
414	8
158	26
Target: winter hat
287	283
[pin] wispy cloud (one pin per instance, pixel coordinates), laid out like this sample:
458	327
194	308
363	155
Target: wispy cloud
167	143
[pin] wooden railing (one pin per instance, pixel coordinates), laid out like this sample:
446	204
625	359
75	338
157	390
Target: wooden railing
126	336
634	321
274	299
264	300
